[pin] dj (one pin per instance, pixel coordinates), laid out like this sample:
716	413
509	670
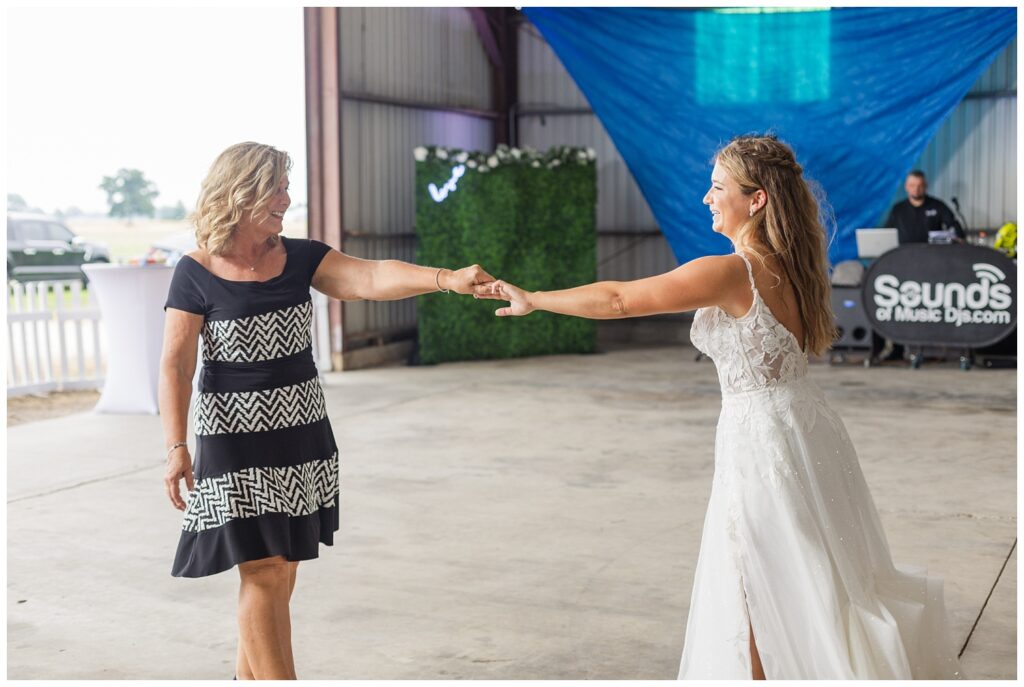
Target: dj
914	218
921	213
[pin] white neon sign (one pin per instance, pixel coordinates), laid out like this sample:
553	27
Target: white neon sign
439	194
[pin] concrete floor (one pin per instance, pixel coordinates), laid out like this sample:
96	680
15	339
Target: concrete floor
534	518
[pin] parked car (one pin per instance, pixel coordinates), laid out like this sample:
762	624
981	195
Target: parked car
41	247
168	250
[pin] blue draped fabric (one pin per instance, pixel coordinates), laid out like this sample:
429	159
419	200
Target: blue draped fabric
857	92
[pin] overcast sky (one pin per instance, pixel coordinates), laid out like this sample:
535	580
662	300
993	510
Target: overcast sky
160	90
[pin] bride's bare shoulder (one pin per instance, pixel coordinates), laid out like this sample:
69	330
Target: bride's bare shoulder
725	276
725	265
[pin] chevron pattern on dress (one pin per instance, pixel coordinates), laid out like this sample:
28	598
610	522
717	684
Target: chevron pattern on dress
260	411
275	334
294	490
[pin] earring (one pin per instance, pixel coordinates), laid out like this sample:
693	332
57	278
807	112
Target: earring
751	212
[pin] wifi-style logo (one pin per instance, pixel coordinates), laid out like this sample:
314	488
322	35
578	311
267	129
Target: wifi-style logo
987	273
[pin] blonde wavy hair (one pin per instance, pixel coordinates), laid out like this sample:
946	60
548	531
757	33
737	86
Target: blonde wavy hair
242	179
790	227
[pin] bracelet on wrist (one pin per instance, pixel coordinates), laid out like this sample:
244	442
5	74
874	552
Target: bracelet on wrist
437	280
175	447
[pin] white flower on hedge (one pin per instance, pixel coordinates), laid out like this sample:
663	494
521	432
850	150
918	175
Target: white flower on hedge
420	153
442	154
591	154
471	164
483	168
492	161
535	163
556	162
462	157
581	155
516	153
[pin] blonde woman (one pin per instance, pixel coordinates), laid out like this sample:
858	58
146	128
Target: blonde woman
263	492
794	578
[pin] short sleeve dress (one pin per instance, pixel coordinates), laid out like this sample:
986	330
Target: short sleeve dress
266	462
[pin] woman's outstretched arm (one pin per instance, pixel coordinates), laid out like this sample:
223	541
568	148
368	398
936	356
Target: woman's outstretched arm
708	281
349	279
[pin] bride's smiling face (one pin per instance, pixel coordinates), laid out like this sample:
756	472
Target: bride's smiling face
729	206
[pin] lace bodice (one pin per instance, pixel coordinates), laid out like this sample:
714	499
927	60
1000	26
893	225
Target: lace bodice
751	352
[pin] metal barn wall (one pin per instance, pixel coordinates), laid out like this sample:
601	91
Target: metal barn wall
411	59
974	153
429	54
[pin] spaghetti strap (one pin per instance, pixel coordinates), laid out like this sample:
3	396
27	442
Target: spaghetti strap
750	272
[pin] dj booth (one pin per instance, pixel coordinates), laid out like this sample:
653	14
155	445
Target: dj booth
926	295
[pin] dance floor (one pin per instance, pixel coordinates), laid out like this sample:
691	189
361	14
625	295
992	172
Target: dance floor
533	518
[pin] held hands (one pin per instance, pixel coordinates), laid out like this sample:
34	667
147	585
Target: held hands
466	280
519	300
477	281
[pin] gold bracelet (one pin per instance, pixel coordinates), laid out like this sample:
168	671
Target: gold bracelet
176	446
437	280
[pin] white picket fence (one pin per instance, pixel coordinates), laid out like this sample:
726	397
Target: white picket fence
57	347
52	346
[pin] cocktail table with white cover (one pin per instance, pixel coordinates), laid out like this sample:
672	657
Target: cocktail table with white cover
131	299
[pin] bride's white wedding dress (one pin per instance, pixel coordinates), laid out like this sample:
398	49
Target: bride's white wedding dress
792	540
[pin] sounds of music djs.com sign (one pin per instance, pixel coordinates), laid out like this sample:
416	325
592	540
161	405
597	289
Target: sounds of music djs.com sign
946	295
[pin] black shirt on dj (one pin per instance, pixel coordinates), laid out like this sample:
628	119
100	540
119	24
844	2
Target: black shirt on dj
914	223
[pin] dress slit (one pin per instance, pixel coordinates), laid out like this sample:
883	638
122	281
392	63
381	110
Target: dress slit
749	618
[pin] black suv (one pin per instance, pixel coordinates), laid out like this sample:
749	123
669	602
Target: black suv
40	247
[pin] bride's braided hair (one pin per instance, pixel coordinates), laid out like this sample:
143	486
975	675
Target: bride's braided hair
790	227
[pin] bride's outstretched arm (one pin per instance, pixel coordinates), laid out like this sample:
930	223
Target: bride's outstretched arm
713	280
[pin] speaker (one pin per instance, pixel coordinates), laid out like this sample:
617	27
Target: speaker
854	330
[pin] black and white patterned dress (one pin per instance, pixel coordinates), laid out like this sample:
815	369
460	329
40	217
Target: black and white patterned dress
266	463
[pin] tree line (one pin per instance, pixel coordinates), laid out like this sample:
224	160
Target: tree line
129	194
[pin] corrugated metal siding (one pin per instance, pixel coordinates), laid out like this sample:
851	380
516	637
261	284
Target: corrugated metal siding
542	78
1001	75
623	258
621	207
973	155
429	54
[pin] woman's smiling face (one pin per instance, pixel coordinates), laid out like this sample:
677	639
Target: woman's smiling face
729	206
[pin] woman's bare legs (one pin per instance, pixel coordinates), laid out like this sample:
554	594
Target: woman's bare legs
264	625
286	620
755	658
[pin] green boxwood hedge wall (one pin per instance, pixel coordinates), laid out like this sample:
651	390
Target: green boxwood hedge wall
526	217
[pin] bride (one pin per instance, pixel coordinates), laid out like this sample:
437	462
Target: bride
794	579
